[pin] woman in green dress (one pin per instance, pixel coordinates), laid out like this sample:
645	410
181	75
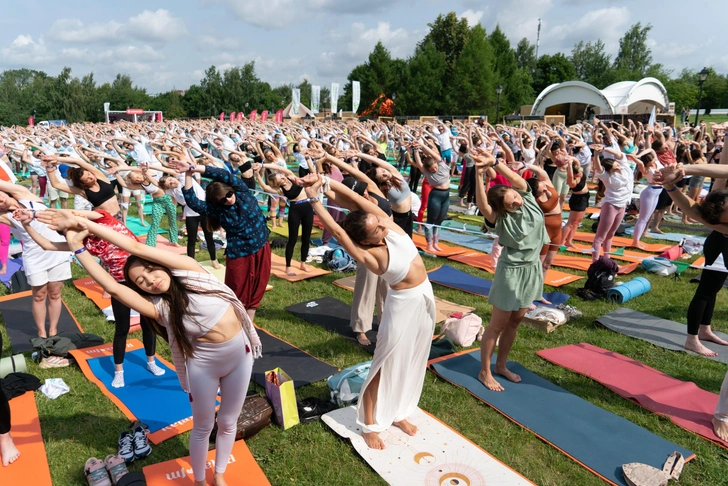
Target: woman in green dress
511	210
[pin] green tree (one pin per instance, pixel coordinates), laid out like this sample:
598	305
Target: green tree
552	69
193	103
473	81
634	57
423	92
526	55
516	81
448	34
592	64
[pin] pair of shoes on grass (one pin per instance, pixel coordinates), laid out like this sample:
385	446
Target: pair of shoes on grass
54	362
134	444
106	472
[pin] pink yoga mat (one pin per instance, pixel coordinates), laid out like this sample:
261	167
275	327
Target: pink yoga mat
682	402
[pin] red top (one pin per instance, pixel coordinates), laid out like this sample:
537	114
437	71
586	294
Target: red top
111	256
667	158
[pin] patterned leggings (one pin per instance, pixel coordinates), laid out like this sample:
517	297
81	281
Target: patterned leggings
161	205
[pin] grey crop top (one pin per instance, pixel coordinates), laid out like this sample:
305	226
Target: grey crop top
438	178
398	195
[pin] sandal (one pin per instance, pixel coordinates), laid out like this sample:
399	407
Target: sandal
115	466
96	474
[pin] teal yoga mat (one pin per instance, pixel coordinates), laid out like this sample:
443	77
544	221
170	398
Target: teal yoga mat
135	225
599	440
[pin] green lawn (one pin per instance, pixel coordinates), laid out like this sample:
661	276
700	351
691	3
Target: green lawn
84	423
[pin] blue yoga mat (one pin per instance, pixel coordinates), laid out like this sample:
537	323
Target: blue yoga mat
135	226
465	240
158	401
677	237
319	242
12	267
448	276
597	439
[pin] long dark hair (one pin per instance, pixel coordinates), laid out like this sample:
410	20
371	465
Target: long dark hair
215	191
711	209
355	226
75	174
495	197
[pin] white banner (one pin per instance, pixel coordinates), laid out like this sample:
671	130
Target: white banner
315	98
334	97
296	100
355	96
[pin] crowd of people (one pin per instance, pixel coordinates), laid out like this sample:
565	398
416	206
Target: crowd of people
223	173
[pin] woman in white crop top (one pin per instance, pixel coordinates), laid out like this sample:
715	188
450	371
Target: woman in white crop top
393	387
212	339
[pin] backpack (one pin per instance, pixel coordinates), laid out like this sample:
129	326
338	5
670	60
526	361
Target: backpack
660	266
338	260
346	385
464	330
600	278
19	282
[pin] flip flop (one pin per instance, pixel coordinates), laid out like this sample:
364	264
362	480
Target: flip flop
96	474
637	474
116	467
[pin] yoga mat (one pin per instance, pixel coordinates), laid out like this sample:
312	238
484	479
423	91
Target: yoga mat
135	226
164	244
217	272
619	254
278	268
95	294
682	402
579	263
437	454
303	368
241	470
677	237
453	278
598	440
660	332
11	267
447	250
17	314
554	278
158	401
319	242
620	294
589	210
622	241
32	465
334	316
472	242
443	307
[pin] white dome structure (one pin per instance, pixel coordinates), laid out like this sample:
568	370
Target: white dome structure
573	98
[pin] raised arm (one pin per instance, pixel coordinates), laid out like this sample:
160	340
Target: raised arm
18	192
481	198
356	173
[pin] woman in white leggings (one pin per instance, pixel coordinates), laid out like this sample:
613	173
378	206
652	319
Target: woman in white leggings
648	164
212	339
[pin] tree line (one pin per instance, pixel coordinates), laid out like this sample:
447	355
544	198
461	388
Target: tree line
454	70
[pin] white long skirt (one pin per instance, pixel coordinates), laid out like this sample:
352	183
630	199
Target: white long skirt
403	346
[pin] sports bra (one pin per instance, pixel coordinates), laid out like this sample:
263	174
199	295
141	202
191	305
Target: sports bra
402	251
292	193
550	203
398	195
97	198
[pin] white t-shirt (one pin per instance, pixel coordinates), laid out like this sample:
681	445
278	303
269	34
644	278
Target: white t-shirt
177	195
444	139
35	258
584	156
618	185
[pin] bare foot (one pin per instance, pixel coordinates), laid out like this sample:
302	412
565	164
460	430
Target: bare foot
719	427
638	244
362	339
531	307
437	247
489	382
544	301
8	451
52	331
304	267
430	249
373	441
3	270
658	231
106	295
201	483
509	375
569	244
290	272
42	335
219	480
216	265
708	335
406	427
697	347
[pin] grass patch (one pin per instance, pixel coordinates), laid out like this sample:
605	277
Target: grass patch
84	423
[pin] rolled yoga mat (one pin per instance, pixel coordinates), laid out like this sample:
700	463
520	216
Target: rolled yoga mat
628	290
12	364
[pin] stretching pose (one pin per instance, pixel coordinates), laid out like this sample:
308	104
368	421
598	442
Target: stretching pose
212	339
391	183
300	214
519	223
547	199
576	178
437	174
648	164
392	390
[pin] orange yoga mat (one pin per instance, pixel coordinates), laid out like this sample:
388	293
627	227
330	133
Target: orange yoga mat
589	209
241	470
579	263
95	293
627	256
32	465
483	261
699	263
278	268
622	241
447	250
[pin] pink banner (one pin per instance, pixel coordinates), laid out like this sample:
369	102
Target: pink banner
232	116
240	116
160	118
279	116
31	121
253	115
222	116
264	115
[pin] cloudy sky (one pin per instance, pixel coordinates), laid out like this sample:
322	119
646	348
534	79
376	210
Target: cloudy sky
165	45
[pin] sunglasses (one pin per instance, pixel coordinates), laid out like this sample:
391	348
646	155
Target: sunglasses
226	197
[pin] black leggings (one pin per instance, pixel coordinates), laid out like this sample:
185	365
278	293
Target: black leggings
700	311
414	178
4	406
299	215
121	318
468	187
192	223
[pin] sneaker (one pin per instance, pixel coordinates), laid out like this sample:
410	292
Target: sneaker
141	442
311	409
116	467
126	446
96	474
570	311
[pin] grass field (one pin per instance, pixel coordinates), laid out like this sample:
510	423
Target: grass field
84	423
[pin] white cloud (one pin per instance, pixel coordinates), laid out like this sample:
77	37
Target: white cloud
24	51
219	42
472	17
519	18
159	26
607	24
267	14
119	54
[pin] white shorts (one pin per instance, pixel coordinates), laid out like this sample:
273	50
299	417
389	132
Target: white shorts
59	273
81	203
138	194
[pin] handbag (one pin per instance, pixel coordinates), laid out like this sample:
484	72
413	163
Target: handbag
254	417
463	329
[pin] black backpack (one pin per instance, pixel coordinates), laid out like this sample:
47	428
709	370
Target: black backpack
19	282
600	278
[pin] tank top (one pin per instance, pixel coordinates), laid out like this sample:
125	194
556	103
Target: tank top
97	198
550	203
383	204
292	193
437	178
402	251
398	195
580	186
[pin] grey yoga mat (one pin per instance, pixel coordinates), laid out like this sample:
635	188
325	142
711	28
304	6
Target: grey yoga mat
660	332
